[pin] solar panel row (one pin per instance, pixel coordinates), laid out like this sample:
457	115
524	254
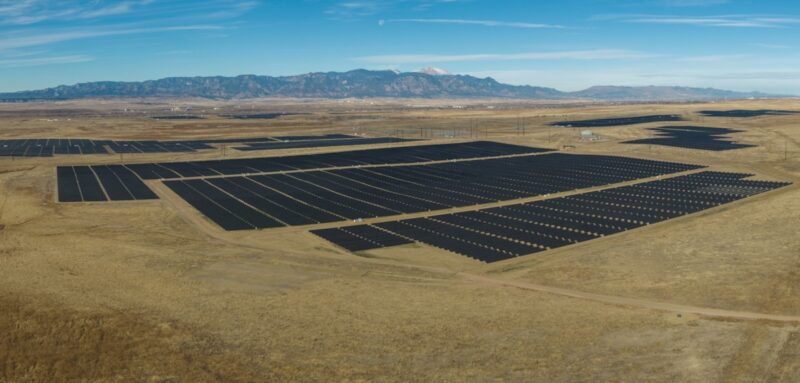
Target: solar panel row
500	233
358	238
156	146
692	137
83	184
48	147
605	122
741	113
335	195
274	145
421	153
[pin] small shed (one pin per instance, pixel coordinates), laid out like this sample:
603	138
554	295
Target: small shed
588	135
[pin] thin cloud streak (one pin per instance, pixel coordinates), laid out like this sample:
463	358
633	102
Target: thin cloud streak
38	61
485	23
26	12
354	9
763	75
712	58
599	54
12	42
727	21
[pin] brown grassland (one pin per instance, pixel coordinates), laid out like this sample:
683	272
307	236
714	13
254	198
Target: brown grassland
152	292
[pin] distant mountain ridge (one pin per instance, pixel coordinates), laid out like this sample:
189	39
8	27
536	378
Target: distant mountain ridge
363	83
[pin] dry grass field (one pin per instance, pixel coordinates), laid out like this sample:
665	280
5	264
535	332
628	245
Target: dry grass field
150	291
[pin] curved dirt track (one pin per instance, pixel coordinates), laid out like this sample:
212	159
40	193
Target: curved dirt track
636	302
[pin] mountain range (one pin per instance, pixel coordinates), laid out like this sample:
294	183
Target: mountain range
361	83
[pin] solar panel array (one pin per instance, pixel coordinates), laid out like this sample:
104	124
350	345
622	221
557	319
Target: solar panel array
318	143
178	117
421	153
605	122
264	201
501	233
70	187
48	147
260	116
693	137
100	183
156	146
742	113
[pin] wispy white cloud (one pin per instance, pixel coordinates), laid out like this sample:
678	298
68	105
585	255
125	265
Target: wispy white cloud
43	23
597	54
753	75
357	8
354	9
730	21
28	12
46	60
16	41
773	46
25	12
712	58
485	23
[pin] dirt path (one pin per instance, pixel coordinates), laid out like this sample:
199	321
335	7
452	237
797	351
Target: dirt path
636	302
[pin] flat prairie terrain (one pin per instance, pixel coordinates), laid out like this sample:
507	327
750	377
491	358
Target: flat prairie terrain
150	291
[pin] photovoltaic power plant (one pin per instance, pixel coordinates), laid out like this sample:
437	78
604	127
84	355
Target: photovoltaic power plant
693	137
48	147
743	113
387	156
605	122
99	183
311	197
501	233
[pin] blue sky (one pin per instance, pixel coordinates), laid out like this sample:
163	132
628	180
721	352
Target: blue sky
566	44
